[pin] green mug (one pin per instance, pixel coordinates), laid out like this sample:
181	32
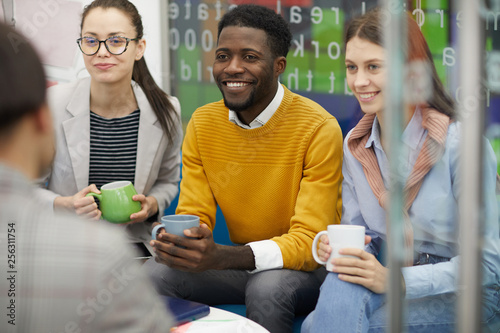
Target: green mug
116	202
495	143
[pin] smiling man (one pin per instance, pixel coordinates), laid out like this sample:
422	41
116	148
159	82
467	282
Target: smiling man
271	160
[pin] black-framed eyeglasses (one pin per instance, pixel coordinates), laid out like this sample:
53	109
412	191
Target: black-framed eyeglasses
115	45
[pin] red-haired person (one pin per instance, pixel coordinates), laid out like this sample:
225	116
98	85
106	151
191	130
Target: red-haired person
352	296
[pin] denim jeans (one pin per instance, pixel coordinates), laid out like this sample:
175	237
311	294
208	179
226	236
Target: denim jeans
346	307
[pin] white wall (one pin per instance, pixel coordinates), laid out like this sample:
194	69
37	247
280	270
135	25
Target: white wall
150	11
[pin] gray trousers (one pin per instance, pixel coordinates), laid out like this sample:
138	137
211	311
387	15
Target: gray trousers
272	298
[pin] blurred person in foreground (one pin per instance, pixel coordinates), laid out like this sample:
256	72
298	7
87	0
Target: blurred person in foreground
352	298
59	274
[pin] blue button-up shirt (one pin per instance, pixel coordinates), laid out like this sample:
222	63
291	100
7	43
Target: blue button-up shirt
434	213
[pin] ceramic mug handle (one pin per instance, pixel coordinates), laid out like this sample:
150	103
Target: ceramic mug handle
315	247
98	196
155	230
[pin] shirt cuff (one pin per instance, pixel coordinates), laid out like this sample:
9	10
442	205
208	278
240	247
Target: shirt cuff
417	281
267	255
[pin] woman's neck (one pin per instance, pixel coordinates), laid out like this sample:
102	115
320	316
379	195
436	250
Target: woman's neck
112	100
410	110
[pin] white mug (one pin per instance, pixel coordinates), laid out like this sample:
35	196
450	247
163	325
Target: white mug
340	236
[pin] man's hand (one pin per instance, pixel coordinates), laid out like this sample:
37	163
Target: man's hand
199	252
192	255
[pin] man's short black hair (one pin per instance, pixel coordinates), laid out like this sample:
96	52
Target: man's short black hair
22	83
277	30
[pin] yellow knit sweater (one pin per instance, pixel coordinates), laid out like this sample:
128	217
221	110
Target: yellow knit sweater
281	181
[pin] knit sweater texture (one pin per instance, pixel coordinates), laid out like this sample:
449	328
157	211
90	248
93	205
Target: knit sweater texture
281	181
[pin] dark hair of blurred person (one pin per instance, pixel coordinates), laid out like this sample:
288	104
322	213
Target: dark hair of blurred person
60	274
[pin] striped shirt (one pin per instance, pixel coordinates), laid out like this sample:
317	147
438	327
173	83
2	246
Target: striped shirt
113	148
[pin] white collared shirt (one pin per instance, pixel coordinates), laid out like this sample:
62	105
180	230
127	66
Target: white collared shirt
267	253
264	116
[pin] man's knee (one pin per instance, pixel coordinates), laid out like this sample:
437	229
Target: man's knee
276	290
167	281
273	297
272	284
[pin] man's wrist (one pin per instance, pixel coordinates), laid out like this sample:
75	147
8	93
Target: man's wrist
267	255
235	257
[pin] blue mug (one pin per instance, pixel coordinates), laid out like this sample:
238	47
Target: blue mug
176	224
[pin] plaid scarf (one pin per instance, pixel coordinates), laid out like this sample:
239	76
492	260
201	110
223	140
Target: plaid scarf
432	150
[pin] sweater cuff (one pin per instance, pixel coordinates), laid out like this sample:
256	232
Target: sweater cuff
267	255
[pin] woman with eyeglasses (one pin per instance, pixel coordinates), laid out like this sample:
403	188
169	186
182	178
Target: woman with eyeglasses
115	125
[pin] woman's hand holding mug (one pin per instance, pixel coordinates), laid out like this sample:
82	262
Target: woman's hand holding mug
149	207
116	201
80	204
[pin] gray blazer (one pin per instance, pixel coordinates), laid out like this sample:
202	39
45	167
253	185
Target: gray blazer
157	170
